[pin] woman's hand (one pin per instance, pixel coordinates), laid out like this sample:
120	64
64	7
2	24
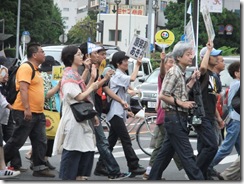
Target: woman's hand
162	55
94	85
196	75
87	63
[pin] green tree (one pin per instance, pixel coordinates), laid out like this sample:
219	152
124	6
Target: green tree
82	30
35	17
176	25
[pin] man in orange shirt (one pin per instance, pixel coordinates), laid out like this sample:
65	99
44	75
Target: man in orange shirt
28	113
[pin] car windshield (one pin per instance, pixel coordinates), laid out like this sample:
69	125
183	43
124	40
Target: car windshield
153	78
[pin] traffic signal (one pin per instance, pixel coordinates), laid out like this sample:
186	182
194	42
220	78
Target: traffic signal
100	26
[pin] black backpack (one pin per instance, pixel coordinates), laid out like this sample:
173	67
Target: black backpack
11	92
236	101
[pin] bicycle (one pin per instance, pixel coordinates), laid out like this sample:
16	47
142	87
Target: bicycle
144	123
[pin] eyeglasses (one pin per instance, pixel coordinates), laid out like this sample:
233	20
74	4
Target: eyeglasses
80	55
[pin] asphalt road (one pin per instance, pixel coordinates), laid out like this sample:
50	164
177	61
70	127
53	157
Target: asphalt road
171	173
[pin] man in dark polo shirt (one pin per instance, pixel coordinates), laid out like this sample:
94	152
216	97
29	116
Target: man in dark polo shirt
174	96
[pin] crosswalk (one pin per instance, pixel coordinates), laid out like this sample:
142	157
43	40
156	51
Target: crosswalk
119	153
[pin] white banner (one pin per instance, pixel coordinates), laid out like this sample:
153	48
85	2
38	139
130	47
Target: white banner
103	4
190	37
208	23
214	6
137	47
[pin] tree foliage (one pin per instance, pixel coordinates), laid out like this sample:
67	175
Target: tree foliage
175	14
84	29
37	17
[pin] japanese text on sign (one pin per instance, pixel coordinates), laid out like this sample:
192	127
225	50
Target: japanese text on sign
137	47
57	72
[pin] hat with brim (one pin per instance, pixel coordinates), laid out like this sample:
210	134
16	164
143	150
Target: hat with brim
119	56
48	64
214	52
102	49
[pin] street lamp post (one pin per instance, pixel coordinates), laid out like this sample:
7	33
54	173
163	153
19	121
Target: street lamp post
3	21
155	8
117	15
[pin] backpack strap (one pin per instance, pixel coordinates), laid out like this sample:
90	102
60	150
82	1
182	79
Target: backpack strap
33	69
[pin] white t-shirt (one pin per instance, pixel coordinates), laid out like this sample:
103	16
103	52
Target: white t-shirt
71	135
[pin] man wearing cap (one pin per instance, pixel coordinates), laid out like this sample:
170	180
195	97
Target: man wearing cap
106	165
206	141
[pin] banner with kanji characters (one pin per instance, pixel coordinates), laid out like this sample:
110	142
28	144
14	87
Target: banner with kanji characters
208	23
137	47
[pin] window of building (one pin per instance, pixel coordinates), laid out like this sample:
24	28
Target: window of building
65	9
65	18
112	35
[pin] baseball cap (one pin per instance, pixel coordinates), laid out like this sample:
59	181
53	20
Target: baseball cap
102	48
118	57
214	52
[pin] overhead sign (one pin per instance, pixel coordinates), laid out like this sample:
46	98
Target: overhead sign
126	9
164	38
208	23
214	6
137	47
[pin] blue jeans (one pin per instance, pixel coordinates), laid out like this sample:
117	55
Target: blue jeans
232	139
106	156
75	163
206	144
36	130
176	140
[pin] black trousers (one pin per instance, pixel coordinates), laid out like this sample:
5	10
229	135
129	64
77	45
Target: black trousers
7	131
119	130
176	140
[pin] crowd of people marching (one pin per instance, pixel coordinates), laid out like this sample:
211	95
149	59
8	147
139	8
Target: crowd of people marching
76	140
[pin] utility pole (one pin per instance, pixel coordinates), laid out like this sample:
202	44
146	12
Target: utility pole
149	31
17	32
196	26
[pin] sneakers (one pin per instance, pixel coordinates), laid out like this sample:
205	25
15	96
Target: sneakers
138	171
100	170
21	169
8	173
50	166
119	176
43	173
213	172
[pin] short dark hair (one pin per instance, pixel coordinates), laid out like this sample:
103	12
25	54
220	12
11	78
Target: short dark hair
32	48
67	55
234	67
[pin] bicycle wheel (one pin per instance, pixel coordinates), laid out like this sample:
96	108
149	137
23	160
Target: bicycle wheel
145	134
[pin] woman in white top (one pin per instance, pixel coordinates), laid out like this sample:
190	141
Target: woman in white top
76	141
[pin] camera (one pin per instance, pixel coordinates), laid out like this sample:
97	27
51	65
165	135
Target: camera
196	120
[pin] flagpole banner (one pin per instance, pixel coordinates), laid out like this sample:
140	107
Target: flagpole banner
190	37
189	9
208	23
214	6
137	47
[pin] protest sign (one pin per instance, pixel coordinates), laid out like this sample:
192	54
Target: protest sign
208	23
137	47
164	38
57	72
